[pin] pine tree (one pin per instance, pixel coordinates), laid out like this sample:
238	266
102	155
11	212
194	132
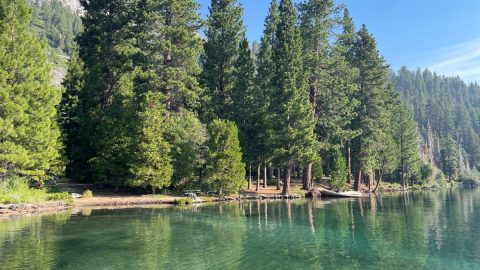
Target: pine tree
170	48
388	152
338	170
331	79
151	163
225	169
70	112
224	33
293	139
406	136
262	128
315	27
244	110
450	158
372	82
30	136
187	136
107	50
346	38
116	137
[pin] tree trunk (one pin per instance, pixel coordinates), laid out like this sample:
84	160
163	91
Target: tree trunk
249	175
115	188
153	190
258	177
371	178
265	175
304	178
356	184
278	178
349	179
309	176
288	176
380	175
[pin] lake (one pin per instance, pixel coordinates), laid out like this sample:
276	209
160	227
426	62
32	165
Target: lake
417	230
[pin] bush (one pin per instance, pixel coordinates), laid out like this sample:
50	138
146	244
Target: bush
426	171
317	167
17	190
470	179
338	170
183	201
87	193
64	196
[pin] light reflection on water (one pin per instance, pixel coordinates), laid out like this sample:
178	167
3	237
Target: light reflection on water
434	230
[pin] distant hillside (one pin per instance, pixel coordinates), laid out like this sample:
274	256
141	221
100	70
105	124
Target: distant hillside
57	22
448	114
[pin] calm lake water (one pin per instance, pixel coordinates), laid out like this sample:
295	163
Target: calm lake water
424	230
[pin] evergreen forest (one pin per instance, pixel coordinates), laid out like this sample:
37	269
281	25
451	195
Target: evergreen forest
156	98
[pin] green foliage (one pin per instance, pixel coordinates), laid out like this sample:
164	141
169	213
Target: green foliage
317	167
338	171
17	190
224	33
406	136
150	163
71	118
426	171
188	136
172	60
87	193
293	140
470	179
244	112
225	169
183	201
115	137
450	156
64	196
372	82
29	137
446	109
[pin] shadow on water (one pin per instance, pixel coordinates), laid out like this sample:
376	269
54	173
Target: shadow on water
409	230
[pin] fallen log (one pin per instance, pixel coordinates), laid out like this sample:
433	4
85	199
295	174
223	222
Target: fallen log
346	194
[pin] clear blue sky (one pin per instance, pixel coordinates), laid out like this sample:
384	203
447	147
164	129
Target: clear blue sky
443	35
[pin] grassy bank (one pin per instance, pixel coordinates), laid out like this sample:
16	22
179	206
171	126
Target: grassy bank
16	191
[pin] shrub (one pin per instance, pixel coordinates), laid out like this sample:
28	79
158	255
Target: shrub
317	167
87	193
426	171
64	196
183	201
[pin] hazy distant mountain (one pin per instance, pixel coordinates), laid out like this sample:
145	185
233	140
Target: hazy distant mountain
57	22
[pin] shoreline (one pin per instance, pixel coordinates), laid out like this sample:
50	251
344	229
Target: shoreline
131	201
127	201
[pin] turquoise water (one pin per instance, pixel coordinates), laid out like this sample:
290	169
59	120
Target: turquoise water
424	230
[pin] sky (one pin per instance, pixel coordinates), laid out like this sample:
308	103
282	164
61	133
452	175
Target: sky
441	35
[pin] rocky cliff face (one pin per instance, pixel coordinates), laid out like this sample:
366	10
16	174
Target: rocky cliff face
74	5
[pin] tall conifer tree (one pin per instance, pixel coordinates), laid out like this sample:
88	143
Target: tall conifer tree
292	111
170	47
224	33
29	134
372	82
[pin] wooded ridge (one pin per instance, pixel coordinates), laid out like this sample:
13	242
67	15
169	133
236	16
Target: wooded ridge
149	103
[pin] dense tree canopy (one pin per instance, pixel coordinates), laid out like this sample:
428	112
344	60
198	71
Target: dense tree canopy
151	102
446	110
